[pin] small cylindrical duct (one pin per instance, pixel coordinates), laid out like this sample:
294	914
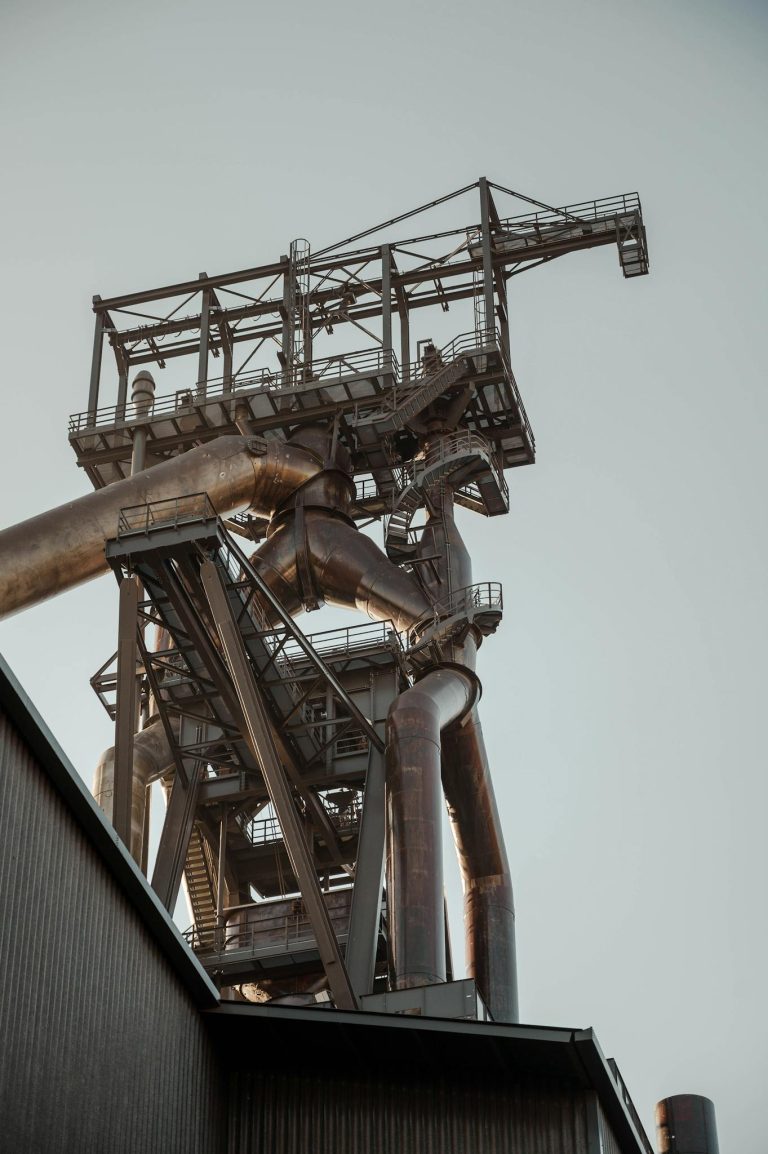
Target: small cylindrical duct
142	398
685	1124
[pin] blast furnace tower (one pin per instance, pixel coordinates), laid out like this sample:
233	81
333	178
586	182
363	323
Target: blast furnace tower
305	773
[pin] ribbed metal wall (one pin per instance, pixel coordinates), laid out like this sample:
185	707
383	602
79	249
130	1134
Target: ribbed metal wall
101	1049
326	1115
608	1143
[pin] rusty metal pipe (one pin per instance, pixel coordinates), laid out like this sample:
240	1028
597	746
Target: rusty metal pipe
414	838
64	547
152	758
489	911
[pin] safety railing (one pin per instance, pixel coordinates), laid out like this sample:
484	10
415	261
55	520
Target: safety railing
455	446
363	362
335	369
365	488
171	512
467	603
345	641
266	830
267	935
588	211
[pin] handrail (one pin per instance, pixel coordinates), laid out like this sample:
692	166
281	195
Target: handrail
265	830
337	368
170	512
482	597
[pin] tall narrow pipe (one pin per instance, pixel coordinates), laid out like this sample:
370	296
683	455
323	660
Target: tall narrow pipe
64	547
414	835
152	757
489	911
142	398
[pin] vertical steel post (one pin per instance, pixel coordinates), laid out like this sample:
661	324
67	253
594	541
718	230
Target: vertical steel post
386	304
485	237
369	876
205	330
125	717
405	336
174	840
264	748
98	346
222	865
287	316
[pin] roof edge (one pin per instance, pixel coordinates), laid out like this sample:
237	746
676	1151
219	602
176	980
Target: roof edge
69	785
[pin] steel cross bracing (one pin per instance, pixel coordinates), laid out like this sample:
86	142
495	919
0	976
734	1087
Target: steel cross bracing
275	329
216	770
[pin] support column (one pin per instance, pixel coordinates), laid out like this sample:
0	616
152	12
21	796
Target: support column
205	331
263	745
98	348
369	877
485	224
386	302
125	719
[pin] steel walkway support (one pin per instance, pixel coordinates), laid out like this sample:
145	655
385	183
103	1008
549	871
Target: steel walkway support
260	735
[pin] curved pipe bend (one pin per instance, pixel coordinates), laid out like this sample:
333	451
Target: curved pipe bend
152	758
64	547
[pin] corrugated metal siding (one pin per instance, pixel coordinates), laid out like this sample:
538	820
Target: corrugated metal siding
326	1115
101	1048
608	1143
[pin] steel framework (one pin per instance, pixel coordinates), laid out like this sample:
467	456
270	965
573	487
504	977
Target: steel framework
305	775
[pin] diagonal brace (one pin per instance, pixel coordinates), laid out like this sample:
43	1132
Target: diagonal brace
265	750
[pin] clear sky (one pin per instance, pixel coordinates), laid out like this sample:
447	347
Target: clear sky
624	702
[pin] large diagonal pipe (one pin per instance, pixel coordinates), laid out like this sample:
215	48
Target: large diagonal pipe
64	547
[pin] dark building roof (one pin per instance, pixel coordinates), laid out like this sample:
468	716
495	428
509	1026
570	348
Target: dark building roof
284	1036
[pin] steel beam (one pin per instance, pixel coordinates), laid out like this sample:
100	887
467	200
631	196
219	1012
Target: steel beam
126	713
485	234
205	332
262	741
177	830
363	937
98	348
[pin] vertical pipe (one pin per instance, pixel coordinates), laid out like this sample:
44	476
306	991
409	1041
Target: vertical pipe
685	1124
414	818
142	397
489	912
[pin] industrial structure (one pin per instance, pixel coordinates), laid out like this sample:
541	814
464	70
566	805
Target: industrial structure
305	773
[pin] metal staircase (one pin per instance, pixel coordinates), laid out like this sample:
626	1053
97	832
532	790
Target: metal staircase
200	878
465	461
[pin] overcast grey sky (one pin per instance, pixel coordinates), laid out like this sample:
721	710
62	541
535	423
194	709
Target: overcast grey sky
624	703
